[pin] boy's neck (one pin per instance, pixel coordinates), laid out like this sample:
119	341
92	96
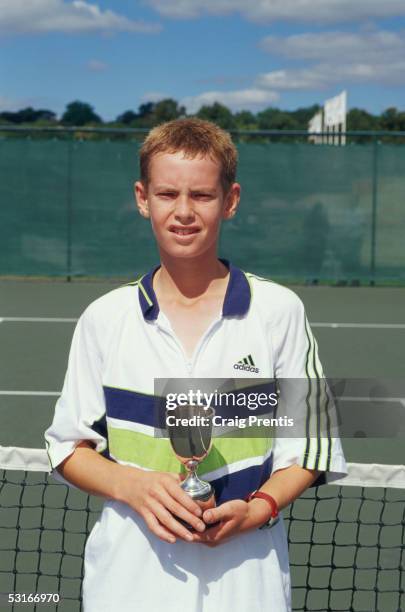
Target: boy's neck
190	278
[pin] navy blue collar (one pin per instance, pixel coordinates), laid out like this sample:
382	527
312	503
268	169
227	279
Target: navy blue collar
236	301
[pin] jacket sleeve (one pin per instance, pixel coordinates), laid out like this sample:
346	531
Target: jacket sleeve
80	410
313	440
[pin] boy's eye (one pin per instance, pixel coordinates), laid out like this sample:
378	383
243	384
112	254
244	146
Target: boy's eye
167	194
202	196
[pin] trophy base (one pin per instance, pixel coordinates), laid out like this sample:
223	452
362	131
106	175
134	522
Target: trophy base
201	496
191	528
198	490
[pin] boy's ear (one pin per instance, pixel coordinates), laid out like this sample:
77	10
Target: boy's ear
141	197
231	201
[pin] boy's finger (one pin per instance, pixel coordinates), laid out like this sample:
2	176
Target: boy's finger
185	500
158	529
207	535
214	534
180	511
169	521
213	515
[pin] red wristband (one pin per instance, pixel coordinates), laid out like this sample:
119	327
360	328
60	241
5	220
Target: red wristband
269	499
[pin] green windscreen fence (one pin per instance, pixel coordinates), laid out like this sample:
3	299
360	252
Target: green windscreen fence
307	211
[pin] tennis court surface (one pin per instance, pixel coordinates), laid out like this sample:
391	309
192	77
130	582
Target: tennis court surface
346	542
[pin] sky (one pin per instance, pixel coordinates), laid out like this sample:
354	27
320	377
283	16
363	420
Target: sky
115	55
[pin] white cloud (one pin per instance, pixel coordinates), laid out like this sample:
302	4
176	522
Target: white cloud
40	16
96	66
309	11
346	46
236	100
324	75
339	57
305	78
153	96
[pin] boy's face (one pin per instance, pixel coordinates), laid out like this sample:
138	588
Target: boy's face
185	201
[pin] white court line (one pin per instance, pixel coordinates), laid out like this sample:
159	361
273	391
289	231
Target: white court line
347	398
30	393
36	320
361	325
315	324
400	400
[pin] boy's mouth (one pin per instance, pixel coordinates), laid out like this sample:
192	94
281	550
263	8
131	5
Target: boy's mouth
180	231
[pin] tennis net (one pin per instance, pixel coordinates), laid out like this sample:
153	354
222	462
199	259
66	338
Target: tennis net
346	539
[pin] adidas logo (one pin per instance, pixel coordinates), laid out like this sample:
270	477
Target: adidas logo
246	364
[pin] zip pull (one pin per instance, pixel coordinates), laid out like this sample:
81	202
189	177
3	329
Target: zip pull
189	367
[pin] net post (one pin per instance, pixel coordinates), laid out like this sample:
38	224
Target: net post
374	210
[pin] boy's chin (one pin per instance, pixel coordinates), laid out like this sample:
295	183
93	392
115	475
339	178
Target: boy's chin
183	252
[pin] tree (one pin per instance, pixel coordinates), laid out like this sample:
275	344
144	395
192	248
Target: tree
302	116
28	115
127	117
145	117
168	109
392	119
79	113
265	117
219	114
245	120
284	121
359	119
276	119
153	113
146	109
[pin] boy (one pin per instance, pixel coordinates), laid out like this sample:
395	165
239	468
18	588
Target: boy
193	316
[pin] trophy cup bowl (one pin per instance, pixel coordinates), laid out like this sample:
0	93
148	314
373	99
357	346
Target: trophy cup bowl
191	441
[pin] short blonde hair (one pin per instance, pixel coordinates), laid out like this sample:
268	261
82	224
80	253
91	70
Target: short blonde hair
193	137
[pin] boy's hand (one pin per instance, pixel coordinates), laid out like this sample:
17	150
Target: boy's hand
157	496
235	516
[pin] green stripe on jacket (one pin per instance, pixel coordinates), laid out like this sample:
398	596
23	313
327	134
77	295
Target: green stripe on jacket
157	454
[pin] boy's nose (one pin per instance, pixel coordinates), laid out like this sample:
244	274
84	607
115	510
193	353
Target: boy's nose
184	208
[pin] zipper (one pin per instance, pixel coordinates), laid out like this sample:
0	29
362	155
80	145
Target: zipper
189	363
201	343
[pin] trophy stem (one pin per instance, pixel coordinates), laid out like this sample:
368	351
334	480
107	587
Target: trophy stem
198	489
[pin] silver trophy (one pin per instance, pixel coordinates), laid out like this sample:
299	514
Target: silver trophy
191	442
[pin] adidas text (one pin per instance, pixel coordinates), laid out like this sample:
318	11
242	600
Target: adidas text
248	368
